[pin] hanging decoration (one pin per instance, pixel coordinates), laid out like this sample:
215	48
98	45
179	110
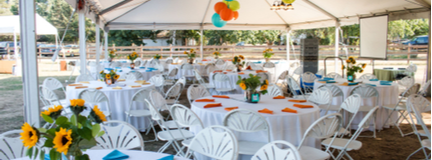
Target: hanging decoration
226	10
282	5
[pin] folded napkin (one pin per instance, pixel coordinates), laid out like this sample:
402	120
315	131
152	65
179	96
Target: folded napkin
99	88
75	85
205	100
386	81
225	72
205	60
210	105
80	87
145	83
115	155
121	80
228	70
217	71
240	73
230	108
297	100
174	63
373	80
117	88
322	80
349	83
387	84
327	78
135	86
331	81
220	96
265	110
170	157
117	68
249	68
373	85
140	81
259	71
87	82
302	106
279	97
289	110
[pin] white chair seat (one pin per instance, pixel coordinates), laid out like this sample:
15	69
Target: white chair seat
249	147
171	101
339	143
186	142
365	108
206	85
331	107
171	124
426	143
398	107
224	89
311	153
138	113
189	76
168	83
177	135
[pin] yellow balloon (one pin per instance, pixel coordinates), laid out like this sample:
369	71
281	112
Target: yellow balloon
234	5
226	2
288	1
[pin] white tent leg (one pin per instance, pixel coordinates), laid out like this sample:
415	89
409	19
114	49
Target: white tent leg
82	42
15	46
29	62
106	44
288	45
201	43
336	46
97	30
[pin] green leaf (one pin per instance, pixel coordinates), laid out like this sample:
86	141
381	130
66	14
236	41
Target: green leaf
85	133
42	130
73	120
51	131
101	133
29	152
54	154
87	144
35	153
47	118
95	129
42	155
61	120
83	157
49	143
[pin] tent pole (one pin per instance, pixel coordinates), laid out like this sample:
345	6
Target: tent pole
106	44
201	43
288	45
98	51
336	46
15	46
29	62
82	42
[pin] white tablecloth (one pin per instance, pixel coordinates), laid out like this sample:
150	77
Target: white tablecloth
133	155
199	67
147	75
279	68
119	99
388	95
283	126
233	76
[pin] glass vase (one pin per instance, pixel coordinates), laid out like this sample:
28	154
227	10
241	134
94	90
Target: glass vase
351	77
132	65
252	96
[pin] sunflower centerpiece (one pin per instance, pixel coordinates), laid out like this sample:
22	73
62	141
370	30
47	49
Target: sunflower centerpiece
157	57
132	58
250	86
191	55
66	136
111	55
109	78
216	54
268	54
239	62
352	67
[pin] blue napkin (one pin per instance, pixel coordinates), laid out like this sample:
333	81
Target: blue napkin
327	78
318	76
129	67
322	80
118	67
331	82
142	67
109	69
373	85
308	84
170	157
386	81
352	83
120	70
47	157
373	80
132	71
276	62
115	155
150	68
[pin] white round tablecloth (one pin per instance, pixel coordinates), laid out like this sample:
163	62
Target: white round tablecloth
199	67
133	155
283	126
388	95
146	74
119	100
233	76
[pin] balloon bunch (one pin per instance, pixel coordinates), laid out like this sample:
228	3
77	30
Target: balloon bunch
225	11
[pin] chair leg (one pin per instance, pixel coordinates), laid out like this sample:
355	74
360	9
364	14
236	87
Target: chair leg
414	153
388	117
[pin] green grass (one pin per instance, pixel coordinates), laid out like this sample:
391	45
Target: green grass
15	83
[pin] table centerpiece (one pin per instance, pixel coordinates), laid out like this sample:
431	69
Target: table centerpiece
132	58
352	68
191	55
110	77
66	136
250	86
268	54
216	54
239	62
111	55
157	57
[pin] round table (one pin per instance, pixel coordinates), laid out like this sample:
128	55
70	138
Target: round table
283	126
388	95
119	99
233	76
146	74
133	155
389	74
199	67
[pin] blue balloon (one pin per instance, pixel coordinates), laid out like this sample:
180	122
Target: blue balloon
229	0
217	21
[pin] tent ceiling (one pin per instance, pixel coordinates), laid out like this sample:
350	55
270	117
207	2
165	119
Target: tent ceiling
12	26
254	14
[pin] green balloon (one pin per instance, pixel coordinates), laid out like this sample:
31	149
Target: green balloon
234	5
288	1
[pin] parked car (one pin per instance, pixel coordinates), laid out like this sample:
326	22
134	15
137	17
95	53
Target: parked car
48	49
7	45
419	40
71	50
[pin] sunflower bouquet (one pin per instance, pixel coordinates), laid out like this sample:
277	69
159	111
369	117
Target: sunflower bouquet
67	136
157	56
112	54
268	53
132	57
216	54
250	85
110	77
191	55
352	67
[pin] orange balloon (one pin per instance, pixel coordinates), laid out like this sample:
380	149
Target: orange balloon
219	6
226	14
236	14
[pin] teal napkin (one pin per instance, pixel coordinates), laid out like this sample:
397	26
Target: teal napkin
387	84
322	80
373	85
352	83
47	157
115	155
327	78
331	82
386	81
142	67
170	157
373	80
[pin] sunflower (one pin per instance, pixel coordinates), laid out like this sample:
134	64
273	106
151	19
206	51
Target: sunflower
264	87
185	52
116	76
353	61
101	72
241	57
364	65
112	52
265	51
108	76
53	112
270	49
30	135
348	61
98	115
62	140
192	50
361	71
266	82
77	102
343	67
243	86
128	57
239	60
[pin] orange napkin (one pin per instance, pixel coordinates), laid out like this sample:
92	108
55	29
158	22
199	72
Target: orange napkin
211	105
144	83
240	73
249	67
297	100
217	71
322	82
289	110
75	85
99	88
205	100
80	87
228	70
87	82
220	96
302	106
204	60
121	80
135	86
279	97
259	71
265	110
346	84
140	81
230	108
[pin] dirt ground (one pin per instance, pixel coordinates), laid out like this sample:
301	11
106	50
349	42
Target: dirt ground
389	144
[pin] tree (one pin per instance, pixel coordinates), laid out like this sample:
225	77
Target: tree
5	8
129	37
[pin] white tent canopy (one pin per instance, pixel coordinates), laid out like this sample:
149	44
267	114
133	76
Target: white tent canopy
11	25
253	14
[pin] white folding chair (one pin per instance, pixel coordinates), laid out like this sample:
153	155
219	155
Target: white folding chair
205	73
160	103
263	76
308	78
138	62
333	75
119	135
297	72
295	88
247	121
336	93
222	79
412	68
405	83
274	90
423	90
94	97
367	92
196	91
84	77
321	97
187	71
320	72
11	147
282	76
269	65
115	64
169	78
173	94
159	82
216	142
133	76
278	150
53	84
201	81
323	128
367	76
229	67
51	97
185	118
343	144
352	106
416	105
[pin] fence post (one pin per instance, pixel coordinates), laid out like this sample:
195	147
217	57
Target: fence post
409	51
